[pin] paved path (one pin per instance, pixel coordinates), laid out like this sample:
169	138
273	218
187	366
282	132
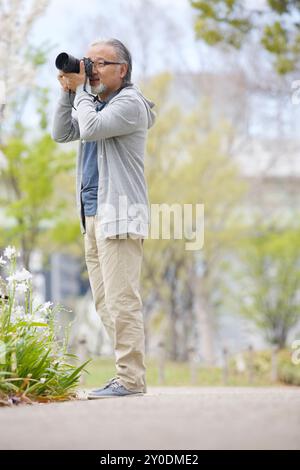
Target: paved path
165	418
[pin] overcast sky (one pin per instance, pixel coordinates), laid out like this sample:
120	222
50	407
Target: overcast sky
72	24
160	37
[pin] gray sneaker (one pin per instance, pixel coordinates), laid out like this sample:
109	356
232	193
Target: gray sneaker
112	390
96	390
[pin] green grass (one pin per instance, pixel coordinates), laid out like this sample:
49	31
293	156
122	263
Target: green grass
176	374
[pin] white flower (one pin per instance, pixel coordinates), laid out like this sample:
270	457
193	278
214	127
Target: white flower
22	288
19	310
2	261
42	380
10	252
20	276
44	308
23	275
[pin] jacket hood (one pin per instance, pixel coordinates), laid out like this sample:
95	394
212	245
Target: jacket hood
148	104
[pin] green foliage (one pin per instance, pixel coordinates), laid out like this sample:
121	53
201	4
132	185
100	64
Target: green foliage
275	38
280	6
29	196
43	101
230	22
270	279
38	55
261	364
290	374
217	22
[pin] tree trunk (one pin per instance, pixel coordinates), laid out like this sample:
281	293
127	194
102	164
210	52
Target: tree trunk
204	316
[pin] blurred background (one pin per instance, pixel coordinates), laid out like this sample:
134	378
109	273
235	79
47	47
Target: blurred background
225	79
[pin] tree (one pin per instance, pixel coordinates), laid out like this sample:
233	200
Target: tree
270	274
275	25
187	164
29	201
18	57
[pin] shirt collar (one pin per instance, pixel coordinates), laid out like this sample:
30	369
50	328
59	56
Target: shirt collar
114	93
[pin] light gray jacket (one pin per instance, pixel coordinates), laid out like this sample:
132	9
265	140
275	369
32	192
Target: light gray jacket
120	130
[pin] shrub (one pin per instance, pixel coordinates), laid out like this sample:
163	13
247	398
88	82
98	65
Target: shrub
34	361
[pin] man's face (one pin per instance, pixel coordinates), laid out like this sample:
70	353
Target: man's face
105	79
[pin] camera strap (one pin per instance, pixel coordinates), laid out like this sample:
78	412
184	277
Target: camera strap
84	88
70	92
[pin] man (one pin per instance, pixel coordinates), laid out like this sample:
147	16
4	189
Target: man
111	198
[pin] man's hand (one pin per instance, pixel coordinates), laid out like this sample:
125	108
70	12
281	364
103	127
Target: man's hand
70	81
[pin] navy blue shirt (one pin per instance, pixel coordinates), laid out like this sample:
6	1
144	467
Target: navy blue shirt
90	174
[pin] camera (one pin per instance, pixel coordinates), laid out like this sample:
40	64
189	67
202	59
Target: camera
69	64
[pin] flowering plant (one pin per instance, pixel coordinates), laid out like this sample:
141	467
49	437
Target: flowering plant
34	363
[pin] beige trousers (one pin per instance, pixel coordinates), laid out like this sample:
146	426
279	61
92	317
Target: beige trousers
114	268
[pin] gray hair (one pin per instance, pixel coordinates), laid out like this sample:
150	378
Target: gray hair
123	55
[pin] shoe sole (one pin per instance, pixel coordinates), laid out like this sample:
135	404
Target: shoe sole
92	397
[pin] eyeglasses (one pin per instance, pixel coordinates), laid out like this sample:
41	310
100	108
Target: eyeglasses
99	64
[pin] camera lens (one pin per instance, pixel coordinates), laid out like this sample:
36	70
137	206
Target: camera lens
67	63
